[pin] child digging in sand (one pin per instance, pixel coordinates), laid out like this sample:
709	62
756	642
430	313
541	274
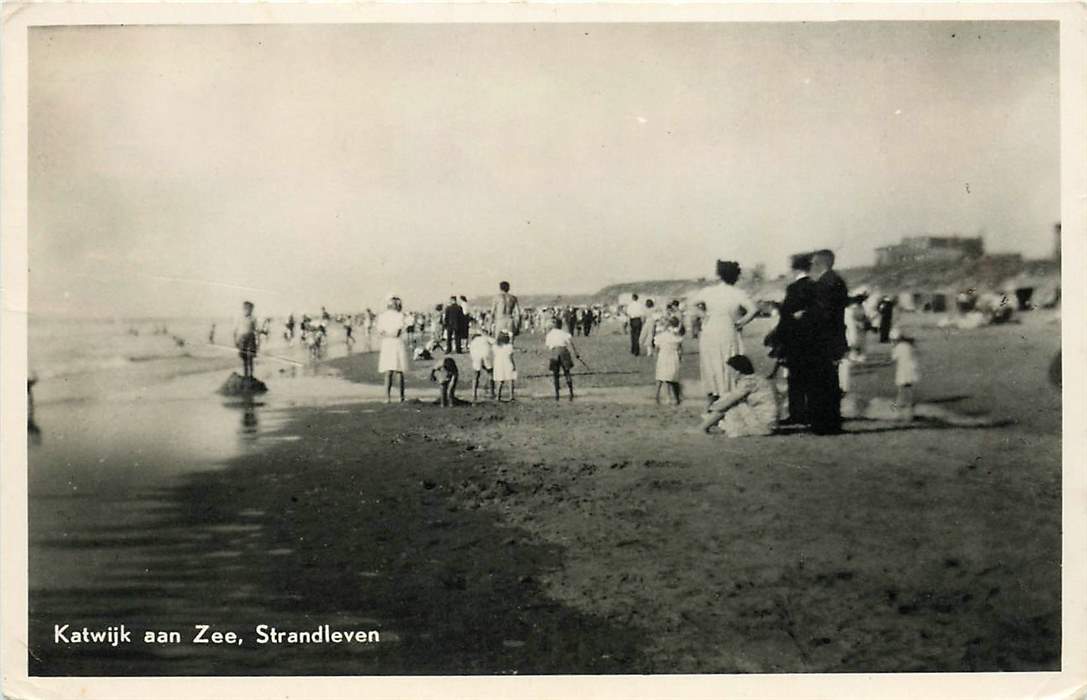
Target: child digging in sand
560	344
669	344
445	373
750	409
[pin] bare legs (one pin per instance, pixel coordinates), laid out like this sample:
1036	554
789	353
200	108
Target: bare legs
502	385
389	386
672	391
475	384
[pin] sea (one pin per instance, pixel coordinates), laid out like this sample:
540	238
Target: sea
97	359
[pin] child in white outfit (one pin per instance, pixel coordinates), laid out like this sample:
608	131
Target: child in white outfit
907	372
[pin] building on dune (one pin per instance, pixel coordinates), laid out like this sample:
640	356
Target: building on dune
918	249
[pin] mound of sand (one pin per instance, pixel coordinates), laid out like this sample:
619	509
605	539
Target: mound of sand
237	385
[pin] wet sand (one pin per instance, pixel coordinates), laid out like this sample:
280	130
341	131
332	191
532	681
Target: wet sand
587	537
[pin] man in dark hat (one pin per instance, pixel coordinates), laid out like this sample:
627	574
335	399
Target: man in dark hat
796	337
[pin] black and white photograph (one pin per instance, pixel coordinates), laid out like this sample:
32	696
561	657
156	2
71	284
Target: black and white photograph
544	348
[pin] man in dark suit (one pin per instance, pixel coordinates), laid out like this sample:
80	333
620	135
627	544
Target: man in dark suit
831	300
454	319
797	339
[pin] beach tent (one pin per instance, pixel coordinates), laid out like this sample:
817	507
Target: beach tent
1030	291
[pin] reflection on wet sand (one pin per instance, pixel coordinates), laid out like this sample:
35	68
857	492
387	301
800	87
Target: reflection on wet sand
247	405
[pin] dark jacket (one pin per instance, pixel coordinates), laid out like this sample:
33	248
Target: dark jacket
454	317
796	336
831	298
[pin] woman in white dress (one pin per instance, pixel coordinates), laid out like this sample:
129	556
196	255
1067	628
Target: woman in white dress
727	309
393	359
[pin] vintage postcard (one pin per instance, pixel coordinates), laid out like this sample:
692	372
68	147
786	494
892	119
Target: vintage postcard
655	350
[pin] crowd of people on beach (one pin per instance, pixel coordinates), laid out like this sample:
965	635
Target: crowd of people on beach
818	333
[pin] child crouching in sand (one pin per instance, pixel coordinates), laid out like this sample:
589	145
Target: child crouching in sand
446	374
751	408
669	344
907	372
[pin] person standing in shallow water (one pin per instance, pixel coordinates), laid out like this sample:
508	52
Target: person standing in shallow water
245	338
727	310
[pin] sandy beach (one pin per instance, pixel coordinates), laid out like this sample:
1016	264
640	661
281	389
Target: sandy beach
594	536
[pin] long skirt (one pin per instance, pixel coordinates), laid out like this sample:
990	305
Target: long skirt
718	342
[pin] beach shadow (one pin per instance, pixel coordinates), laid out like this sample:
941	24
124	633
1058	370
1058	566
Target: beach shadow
922	424
949	399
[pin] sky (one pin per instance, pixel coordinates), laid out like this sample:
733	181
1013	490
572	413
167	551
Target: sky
178	170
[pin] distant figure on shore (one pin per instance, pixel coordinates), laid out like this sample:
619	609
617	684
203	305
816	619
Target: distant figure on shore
349	331
482	351
635	311
588	321
907	372
453	318
504	370
245	338
393	360
288	333
505	312
886	310
728	309
649	327
749	409
560	347
669	344
465	328
211	335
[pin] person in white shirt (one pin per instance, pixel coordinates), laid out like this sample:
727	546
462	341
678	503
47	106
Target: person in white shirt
560	345
481	350
635	311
